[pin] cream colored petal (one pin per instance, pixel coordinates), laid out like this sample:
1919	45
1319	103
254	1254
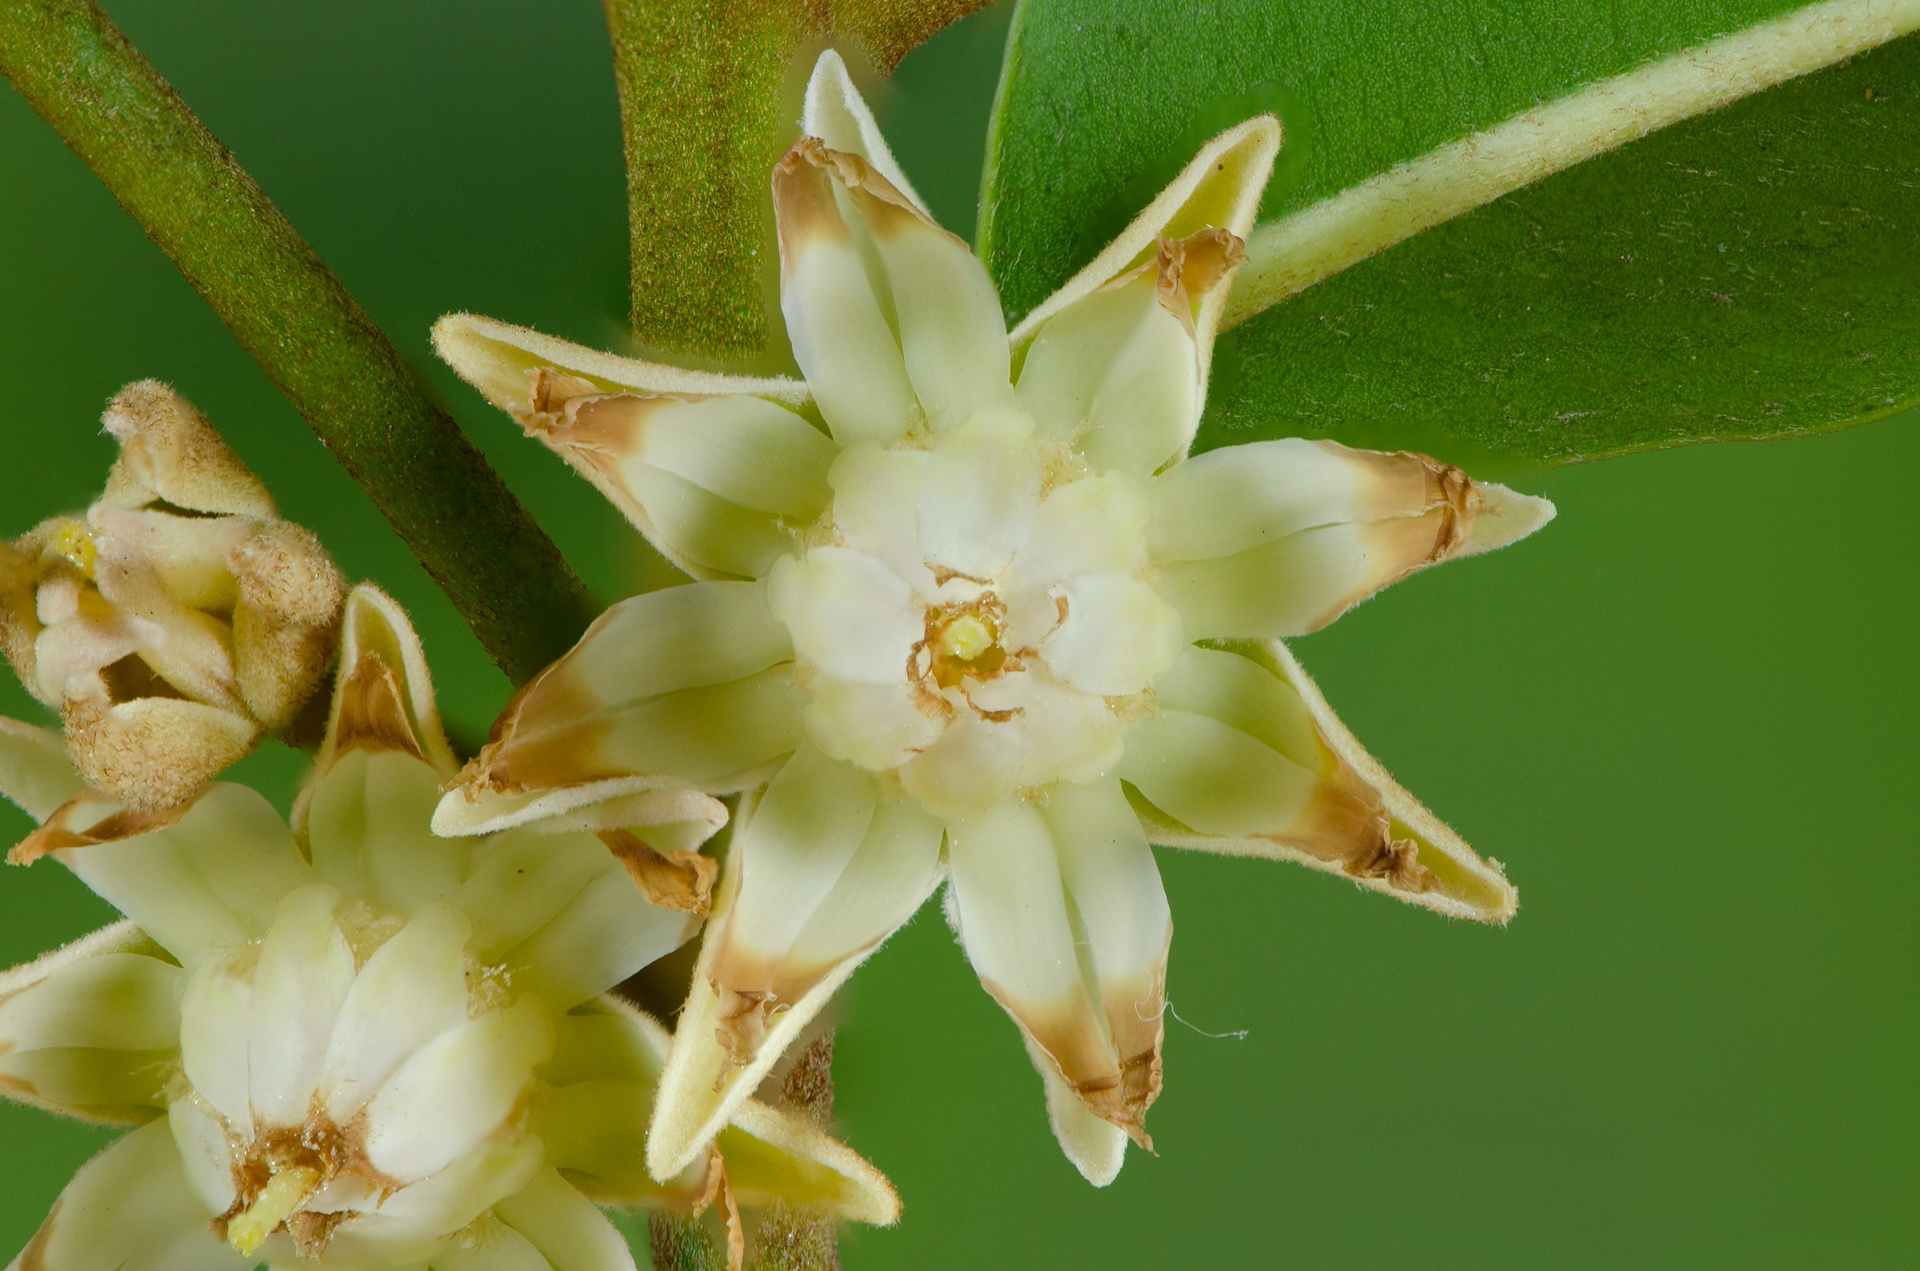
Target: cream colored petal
35	770
1302	582
1114	885
214	1012
666	809
305	971
411	990
411	1225
745	450
878	726
94	1038
716	737
980	497
1117	635
131	1208
1013	920
455	1091
596	1131
1245	694
1355	821
1241	497
206	881
1220	188
701	1086
206	1155
498	359
876	508
1118	373
387	704
947	313
501	1249
570	1233
187	554
187	648
837	114
773	1156
369	832
841	336
849	615
169	451
1097	1147
704	534
1094	525
605	933
520	879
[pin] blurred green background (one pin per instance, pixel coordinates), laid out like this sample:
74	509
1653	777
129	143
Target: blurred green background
1684	716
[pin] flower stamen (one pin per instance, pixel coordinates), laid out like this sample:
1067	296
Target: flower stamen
285	1192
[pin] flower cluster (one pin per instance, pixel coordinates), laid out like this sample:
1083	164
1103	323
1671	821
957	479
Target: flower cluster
963	611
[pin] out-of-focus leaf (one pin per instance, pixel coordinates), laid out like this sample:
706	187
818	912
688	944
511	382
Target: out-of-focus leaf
1592	314
706	105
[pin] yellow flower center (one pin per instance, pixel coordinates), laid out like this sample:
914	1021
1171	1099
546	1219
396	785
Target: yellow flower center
965	642
285	1192
74	542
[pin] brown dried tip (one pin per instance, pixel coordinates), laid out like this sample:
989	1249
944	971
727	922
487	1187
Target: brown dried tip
372	715
740	1025
719	1187
680	881
1123	1100
1187	269
58	831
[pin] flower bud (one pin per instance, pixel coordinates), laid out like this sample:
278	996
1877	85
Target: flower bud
179	619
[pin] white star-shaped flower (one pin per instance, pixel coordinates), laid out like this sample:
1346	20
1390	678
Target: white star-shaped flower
966	609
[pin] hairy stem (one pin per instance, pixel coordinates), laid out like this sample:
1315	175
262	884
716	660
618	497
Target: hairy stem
503	574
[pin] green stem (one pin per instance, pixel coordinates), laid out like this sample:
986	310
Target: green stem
105	99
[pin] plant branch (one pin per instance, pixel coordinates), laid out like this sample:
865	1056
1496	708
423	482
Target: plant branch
502	573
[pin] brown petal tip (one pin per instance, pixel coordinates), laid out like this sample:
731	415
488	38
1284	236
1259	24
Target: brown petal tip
680	881
371	712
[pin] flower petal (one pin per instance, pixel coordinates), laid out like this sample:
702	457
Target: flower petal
152	752
35	771
850	616
502	1249
1097	1147
1220	188
605	933
206	1155
169	452
980	497
878	726
368	831
410	1226
499	360
1247	759
952	334
455	1091
387	704
411	990
836	113
1011	906
1117	635
131	1208
755	990
214	1011
203	881
841	336
570	1233
775	1157
94	1034
305	971
1094	525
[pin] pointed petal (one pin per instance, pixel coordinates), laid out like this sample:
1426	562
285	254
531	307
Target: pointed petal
1246	745
716	737
980	497
1221	189
607	932
499	359
570	1233
200	881
841	336
1094	525
411	1224
1097	1148
205	1154
836	113
214	1011
131	1208
412	989
878	726
1014	923
168	451
774	1156
455	1091
1120	370
502	1249
94	1036
876	508
388	704
1285	537
305	971
35	771
369	832
850	616
1117	635
747	451
854	908
952	334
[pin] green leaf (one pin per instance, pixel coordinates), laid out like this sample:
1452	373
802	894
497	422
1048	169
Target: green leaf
1742	274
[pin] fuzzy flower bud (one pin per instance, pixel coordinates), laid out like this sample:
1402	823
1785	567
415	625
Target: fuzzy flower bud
178	619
